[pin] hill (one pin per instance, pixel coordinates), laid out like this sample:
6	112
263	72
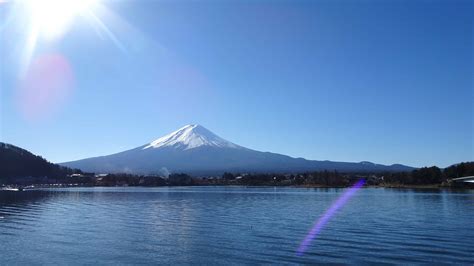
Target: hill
16	163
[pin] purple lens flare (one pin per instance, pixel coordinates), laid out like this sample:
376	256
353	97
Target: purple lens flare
324	219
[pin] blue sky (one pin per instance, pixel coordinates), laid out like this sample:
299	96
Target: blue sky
381	81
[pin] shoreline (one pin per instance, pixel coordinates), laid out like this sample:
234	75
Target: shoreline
391	186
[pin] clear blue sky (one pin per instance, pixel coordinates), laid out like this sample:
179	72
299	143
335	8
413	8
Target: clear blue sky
382	81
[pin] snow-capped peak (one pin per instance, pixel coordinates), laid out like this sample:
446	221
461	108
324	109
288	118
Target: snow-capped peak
189	137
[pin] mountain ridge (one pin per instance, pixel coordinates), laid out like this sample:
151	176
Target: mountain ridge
195	150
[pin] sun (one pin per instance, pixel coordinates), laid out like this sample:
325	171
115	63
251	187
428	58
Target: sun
44	23
51	18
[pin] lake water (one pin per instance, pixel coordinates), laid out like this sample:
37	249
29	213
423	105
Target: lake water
233	225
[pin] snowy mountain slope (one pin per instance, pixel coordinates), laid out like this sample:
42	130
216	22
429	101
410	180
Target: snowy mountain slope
195	150
189	137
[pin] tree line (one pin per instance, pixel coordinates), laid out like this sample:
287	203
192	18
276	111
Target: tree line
432	176
22	167
423	176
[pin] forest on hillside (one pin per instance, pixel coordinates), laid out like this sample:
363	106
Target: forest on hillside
17	162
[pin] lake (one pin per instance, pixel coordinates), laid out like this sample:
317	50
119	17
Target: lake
234	225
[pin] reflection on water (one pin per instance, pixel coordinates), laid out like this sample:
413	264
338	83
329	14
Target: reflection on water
220	225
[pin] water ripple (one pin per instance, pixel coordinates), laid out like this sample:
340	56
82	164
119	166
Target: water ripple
221	225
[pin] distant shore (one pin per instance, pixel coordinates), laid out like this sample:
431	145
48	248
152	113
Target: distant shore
398	186
394	186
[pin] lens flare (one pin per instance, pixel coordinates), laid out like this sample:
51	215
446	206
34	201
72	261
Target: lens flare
324	219
45	87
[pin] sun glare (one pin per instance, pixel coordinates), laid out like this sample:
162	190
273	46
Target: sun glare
51	18
44	23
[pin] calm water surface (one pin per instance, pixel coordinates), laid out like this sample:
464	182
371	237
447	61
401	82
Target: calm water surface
236	225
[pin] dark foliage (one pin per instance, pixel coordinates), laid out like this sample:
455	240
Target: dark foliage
460	170
428	175
180	180
17	163
127	180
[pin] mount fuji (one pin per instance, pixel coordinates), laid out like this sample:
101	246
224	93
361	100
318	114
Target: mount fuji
195	150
